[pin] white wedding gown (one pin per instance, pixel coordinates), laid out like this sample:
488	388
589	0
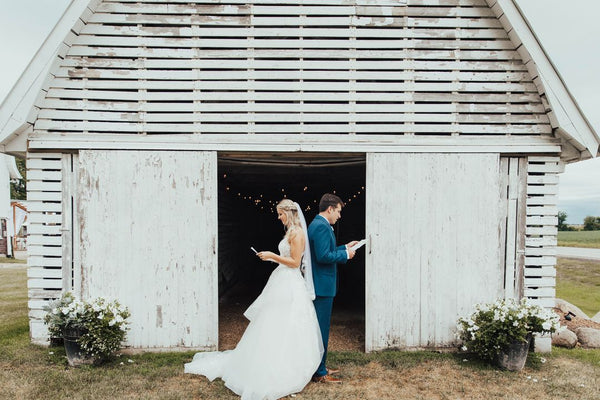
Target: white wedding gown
281	347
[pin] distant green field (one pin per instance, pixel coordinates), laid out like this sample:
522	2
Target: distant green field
579	239
578	282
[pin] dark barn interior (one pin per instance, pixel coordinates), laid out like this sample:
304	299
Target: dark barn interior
250	185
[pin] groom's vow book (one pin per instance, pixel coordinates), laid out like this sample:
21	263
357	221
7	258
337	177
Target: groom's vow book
358	245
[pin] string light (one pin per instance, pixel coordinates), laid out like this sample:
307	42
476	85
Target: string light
259	200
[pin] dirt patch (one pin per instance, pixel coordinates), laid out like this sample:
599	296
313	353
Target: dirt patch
347	328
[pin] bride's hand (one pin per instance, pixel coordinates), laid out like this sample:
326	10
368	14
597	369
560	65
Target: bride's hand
265	255
352	244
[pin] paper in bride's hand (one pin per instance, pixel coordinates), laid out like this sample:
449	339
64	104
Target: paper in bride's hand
358	245
266	259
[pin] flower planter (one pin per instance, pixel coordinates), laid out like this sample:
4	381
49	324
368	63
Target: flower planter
98	323
75	354
513	358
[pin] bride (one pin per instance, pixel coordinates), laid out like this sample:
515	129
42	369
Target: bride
282	346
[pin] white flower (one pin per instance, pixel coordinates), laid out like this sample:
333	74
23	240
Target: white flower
547	325
464	348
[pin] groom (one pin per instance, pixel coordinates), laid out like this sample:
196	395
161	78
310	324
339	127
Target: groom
325	256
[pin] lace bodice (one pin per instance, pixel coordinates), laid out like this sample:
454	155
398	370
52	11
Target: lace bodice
284	248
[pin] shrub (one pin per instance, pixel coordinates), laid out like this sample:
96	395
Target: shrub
101	325
494	326
591	223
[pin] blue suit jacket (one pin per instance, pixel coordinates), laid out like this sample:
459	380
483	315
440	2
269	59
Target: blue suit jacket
325	256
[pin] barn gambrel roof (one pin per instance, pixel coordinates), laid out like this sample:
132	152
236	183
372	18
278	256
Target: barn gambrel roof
422	67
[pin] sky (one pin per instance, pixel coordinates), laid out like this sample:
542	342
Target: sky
568	31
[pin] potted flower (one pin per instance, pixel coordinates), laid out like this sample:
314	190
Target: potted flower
501	332
91	330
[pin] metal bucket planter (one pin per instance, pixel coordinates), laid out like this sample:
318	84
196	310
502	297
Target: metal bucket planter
75	354
513	358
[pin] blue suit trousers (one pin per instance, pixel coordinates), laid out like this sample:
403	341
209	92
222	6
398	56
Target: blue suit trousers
323	307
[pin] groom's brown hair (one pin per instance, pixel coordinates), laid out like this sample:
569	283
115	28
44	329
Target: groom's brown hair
329	200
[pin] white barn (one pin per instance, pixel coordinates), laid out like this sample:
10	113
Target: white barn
145	123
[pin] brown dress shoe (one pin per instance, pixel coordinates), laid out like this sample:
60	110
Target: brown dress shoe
326	379
332	371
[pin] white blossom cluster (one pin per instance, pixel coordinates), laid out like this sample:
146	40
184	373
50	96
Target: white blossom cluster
77	311
492	326
516	313
101	324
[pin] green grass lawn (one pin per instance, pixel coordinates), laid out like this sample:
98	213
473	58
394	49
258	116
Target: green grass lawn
589	239
578	282
34	372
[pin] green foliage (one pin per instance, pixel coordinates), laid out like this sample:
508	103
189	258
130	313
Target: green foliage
102	324
494	326
591	223
18	187
56	320
562	226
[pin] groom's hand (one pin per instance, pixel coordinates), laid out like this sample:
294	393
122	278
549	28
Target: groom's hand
351	253
352	243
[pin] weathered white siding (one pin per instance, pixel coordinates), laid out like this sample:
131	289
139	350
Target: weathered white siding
426	67
148	227
513	196
44	241
433	222
542	229
541	234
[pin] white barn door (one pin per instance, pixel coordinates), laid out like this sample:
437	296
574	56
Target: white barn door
433	221
148	237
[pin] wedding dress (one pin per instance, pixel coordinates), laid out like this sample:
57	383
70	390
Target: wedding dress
281	347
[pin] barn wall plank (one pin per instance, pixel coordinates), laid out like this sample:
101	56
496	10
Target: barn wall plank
140	244
422	268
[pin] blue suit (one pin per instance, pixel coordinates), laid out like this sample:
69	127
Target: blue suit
325	256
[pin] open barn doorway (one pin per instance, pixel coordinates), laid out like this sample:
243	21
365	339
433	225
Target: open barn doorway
250	185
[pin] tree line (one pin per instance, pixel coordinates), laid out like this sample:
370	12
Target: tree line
590	223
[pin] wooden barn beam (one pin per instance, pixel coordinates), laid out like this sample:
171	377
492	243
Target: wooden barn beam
299	142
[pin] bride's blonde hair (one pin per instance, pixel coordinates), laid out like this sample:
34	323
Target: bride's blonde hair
288	207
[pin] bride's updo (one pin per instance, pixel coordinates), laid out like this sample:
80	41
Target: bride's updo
288	207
